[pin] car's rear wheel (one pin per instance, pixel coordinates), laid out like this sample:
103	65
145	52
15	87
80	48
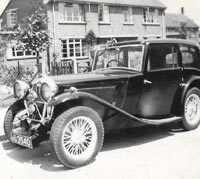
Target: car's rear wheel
191	116
77	136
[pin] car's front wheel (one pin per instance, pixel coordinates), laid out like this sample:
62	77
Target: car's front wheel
77	136
191	116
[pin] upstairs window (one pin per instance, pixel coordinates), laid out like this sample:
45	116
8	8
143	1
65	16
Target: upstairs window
11	17
72	12
150	15
104	15
128	14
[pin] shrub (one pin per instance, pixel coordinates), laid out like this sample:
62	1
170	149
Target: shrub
9	74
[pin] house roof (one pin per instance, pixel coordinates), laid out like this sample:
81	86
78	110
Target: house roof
147	3
4	4
175	20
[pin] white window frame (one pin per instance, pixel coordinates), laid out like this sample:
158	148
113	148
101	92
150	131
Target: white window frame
13	50
73	42
150	15
64	16
104	18
130	15
12	17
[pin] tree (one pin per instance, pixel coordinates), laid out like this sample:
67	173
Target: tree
91	40
3	46
32	33
183	30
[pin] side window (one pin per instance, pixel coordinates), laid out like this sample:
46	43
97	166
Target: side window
190	56
162	56
135	57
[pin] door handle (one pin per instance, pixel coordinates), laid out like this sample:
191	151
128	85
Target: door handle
147	82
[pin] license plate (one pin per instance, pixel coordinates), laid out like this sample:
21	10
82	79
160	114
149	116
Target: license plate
21	140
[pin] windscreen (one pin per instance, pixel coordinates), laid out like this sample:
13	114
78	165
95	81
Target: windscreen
129	57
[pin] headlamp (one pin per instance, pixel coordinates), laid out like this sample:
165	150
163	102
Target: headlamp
45	92
47	89
20	89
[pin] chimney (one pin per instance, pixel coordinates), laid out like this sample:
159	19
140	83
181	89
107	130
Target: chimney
182	10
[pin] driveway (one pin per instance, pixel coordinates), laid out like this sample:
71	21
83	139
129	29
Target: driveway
164	152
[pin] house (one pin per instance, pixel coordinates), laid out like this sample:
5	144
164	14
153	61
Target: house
11	13
180	26
70	20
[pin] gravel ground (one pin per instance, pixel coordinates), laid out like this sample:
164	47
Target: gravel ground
144	153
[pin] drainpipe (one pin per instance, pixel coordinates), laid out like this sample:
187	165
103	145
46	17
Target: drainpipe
163	25
54	29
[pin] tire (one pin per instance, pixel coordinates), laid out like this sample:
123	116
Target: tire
77	136
191	110
8	123
9	117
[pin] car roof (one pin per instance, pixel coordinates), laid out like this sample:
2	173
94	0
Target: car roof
175	41
154	41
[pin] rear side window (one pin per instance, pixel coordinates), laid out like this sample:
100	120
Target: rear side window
190	56
162	56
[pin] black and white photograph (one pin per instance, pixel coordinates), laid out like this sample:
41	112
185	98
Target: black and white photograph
99	89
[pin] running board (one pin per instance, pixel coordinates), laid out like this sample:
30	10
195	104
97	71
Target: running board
160	121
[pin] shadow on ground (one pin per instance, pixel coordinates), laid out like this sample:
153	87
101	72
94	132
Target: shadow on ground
137	136
113	140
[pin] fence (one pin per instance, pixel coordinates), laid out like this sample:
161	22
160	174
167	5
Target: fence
9	74
70	67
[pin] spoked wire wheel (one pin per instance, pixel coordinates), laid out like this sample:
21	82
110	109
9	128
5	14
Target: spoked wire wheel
77	136
192	108
191	117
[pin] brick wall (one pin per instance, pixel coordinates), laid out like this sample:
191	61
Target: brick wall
24	8
116	28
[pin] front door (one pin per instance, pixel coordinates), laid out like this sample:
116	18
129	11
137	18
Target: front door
161	81
134	56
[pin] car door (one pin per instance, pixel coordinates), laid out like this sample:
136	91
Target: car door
135	82
161	81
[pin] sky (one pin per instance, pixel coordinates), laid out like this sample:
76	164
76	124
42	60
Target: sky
3	3
191	7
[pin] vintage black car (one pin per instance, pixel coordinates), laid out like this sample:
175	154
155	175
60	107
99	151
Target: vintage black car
131	84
